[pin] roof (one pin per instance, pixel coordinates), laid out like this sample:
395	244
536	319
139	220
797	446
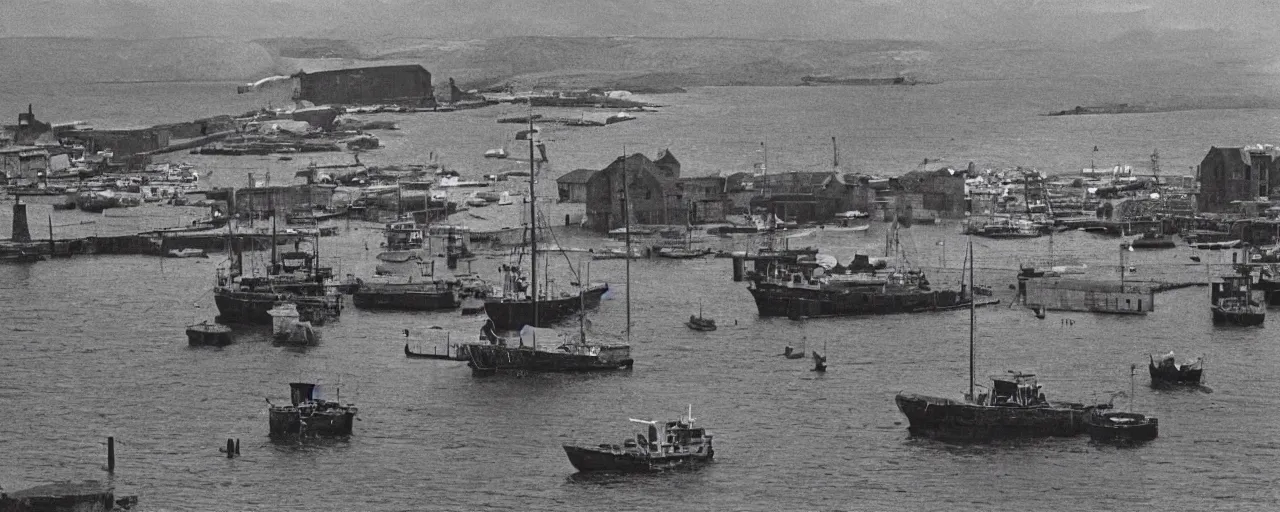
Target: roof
399	67
576	177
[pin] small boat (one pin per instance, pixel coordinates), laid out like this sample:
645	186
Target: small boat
416	355
309	414
1167	371
286	328
682	253
1121	427
496	153
853	214
1107	426
1235	301
505	199
205	333
700	323
843	229
451	351
1217	246
187	253
791	353
618	253
476	202
675	444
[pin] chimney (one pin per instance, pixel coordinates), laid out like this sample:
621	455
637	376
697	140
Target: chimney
21	232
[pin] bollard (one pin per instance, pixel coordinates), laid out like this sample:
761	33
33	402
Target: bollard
237	446
231	448
111	454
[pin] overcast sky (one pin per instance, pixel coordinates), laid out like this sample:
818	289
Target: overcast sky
937	20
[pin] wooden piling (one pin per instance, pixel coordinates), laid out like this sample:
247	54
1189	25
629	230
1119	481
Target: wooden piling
237	446
111	454
231	448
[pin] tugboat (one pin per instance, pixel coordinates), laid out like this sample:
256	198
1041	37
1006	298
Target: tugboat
310	415
677	444
1122	427
293	276
1234	301
1170	372
1014	408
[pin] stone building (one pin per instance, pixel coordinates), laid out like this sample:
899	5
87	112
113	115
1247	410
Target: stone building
1231	175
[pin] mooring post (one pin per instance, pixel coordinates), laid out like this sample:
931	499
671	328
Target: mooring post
237	446
231	448
111	454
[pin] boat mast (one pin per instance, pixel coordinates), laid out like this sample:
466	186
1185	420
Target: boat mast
972	315
272	206
533	221
626	219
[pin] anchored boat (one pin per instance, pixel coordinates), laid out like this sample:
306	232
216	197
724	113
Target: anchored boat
675	444
309	415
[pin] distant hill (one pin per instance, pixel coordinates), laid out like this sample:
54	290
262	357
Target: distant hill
617	62
49	59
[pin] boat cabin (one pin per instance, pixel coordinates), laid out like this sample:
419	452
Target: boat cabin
1014	390
403	236
674	438
1234	288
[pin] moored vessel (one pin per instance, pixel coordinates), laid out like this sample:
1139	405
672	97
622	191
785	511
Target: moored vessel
1168	371
1235	301
205	333
310	415
670	445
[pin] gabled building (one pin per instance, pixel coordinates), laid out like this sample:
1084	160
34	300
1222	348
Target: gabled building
1231	175
645	191
940	192
572	186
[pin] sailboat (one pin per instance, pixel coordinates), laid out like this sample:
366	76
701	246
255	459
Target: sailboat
1014	407
294	276
701	323
521	302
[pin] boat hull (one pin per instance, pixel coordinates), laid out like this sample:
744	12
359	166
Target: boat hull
237	307
487	359
1102	430
775	300
508	314
1244	318
207	337
1190	376
585	458
949	419
405	301
288	421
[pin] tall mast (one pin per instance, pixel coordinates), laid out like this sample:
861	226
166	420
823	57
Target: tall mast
626	219
272	205
533	221
972	315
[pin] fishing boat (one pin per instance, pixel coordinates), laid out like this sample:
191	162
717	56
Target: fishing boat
1168	371
797	292
293	276
1014	407
1108	426
310	415
544	350
675	444
700	323
521	302
205	333
496	153
1235	301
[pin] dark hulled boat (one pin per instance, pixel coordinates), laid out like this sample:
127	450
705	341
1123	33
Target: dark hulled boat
542	350
676	444
205	333
310	415
1121	427
1235	301
410	296
1153	240
1167	371
699	323
1014	408
514	309
291	277
798	294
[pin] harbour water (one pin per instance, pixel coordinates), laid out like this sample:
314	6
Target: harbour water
94	346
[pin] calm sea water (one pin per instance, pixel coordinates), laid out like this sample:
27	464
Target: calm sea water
94	346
